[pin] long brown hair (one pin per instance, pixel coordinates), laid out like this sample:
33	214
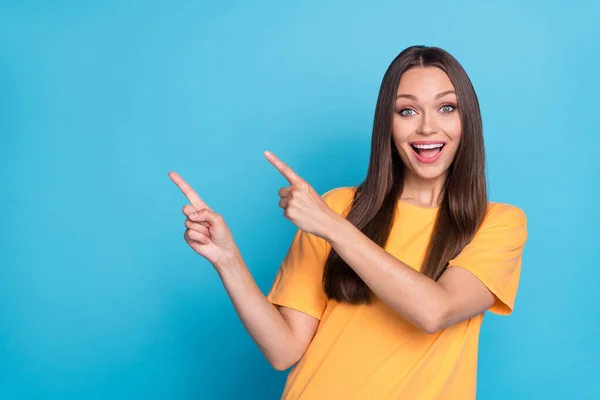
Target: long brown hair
464	198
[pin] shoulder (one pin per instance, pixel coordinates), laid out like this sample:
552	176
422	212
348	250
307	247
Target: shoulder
503	213
340	198
504	221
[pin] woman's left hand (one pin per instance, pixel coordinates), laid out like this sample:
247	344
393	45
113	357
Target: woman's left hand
302	204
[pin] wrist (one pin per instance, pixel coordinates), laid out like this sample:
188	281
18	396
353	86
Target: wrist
335	229
229	263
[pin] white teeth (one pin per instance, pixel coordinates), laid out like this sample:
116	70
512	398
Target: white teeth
428	146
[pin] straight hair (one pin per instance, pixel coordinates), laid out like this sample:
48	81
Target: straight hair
464	197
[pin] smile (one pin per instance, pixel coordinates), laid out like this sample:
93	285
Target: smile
427	152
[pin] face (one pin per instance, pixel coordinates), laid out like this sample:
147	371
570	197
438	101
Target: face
426	124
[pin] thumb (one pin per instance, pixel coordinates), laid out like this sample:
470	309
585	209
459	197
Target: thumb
206	215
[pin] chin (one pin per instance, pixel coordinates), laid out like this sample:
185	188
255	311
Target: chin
432	174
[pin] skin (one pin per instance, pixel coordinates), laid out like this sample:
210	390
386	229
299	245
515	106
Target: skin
423	116
284	334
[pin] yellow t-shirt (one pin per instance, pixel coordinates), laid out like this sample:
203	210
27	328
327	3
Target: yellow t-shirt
371	351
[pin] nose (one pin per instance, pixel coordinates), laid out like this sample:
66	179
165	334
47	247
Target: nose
427	126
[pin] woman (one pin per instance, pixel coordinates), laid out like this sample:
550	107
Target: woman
383	290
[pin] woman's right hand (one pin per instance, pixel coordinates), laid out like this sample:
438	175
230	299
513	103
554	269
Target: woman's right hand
206	233
283	335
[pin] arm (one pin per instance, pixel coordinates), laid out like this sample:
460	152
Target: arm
430	305
458	295
486	278
483	276
283	334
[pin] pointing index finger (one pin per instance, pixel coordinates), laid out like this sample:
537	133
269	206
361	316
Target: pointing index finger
282	167
187	190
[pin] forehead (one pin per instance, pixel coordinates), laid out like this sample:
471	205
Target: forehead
424	82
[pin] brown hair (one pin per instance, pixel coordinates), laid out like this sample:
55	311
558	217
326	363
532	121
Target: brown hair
464	199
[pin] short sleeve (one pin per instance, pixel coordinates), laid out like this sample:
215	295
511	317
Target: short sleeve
494	255
299	281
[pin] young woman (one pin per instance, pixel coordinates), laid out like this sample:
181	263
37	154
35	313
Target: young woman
383	290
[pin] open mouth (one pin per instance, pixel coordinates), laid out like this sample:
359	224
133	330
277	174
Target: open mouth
427	152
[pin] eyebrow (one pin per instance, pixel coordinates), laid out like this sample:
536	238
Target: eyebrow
438	96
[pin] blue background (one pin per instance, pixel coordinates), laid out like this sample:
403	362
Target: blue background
100	297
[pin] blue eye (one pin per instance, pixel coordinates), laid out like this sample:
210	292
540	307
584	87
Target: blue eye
448	108
403	112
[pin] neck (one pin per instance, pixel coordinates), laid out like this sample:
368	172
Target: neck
423	192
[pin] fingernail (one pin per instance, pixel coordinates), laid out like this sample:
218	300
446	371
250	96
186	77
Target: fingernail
193	215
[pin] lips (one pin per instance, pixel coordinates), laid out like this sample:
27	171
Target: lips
427	152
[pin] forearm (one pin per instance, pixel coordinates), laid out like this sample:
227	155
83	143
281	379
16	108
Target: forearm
418	298
260	317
